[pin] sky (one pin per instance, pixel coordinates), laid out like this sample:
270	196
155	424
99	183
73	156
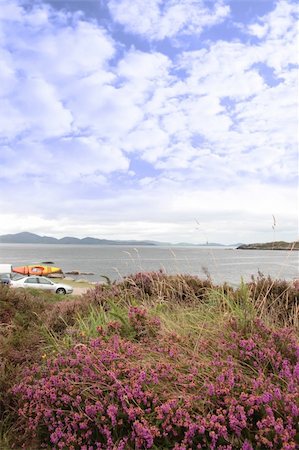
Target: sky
169	120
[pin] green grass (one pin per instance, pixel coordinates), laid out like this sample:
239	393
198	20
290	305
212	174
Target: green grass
35	325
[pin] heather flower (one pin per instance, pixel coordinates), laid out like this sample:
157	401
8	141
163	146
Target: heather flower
115	393
247	446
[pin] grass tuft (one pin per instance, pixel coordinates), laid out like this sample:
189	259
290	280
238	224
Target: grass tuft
154	361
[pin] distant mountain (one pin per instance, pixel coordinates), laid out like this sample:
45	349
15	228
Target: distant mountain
31	238
277	245
26	238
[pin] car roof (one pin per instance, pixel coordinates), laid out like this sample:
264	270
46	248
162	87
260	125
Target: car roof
24	278
34	276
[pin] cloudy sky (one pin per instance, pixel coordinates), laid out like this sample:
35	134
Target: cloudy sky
172	120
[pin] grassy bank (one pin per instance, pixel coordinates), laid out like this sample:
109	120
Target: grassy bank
156	361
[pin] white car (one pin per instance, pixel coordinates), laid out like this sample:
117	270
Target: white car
41	283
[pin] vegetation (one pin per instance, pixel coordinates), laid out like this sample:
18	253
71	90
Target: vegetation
277	245
153	362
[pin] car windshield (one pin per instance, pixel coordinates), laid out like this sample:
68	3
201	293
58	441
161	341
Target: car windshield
16	276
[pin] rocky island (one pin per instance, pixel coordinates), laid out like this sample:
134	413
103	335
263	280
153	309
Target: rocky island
277	245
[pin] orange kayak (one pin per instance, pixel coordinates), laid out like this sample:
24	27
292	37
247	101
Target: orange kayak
36	270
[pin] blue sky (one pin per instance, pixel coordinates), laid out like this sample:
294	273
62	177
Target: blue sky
172	120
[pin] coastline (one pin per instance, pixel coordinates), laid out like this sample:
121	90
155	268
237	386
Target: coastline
275	245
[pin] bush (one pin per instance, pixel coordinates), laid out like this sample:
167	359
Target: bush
23	317
115	393
205	373
276	298
171	288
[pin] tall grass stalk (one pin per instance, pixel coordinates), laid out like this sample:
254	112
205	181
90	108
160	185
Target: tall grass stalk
97	318
55	342
7	430
237	305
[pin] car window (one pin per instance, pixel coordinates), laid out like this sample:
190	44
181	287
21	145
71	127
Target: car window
4	275
44	281
31	280
17	276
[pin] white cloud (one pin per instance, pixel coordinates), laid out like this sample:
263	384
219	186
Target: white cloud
278	31
211	126
278	23
54	84
64	161
226	100
43	111
106	111
161	211
10	11
148	139
158	19
146	66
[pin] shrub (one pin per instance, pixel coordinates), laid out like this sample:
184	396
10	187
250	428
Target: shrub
115	393
171	288
278	299
22	338
64	314
204	374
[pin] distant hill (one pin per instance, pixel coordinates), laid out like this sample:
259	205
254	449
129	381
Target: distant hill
277	245
26	238
31	238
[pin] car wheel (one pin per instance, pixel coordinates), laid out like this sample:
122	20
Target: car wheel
61	291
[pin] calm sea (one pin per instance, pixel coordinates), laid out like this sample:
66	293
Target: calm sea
223	264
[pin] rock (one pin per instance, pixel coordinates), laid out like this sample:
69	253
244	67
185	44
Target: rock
76	272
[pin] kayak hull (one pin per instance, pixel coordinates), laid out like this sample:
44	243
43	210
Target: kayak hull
36	270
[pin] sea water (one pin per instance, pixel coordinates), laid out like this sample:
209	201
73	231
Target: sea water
223	264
